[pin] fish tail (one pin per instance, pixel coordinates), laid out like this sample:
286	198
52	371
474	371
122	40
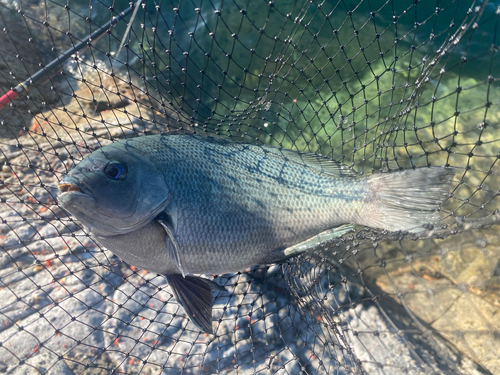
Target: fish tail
407	200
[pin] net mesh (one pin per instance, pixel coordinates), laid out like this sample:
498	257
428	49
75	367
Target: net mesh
377	85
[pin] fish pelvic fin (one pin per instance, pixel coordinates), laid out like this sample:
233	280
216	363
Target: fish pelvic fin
407	200
194	294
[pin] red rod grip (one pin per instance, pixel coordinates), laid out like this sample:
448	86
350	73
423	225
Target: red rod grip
7	98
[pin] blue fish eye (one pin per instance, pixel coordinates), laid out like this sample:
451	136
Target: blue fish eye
115	170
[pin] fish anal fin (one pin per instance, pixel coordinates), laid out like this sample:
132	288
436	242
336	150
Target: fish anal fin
194	294
319	239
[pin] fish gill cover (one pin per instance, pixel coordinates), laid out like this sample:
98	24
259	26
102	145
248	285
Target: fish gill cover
378	86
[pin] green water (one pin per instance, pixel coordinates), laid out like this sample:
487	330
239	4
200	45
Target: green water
333	78
307	84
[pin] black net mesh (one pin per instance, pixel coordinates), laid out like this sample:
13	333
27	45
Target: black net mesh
377	85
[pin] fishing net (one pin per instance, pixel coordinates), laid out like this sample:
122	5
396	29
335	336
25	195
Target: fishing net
377	85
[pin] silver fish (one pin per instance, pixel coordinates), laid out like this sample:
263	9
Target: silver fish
183	205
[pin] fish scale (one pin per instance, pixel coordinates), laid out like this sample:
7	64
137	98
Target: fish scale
181	205
270	190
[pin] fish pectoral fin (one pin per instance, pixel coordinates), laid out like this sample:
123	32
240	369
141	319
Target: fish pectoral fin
166	222
319	239
194	294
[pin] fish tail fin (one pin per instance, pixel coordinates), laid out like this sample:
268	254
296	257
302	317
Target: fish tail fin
407	200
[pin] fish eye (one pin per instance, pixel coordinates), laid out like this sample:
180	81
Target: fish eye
115	170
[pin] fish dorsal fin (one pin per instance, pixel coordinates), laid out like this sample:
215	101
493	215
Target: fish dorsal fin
194	294
168	222
318	162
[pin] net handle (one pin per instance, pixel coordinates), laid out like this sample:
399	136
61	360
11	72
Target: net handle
14	92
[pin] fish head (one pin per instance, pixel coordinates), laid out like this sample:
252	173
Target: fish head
114	191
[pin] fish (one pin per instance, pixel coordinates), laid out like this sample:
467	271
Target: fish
187	205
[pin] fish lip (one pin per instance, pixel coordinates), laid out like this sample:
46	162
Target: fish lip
71	185
65	188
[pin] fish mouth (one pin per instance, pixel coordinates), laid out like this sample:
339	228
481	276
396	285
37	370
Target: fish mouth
74	197
73	185
65	188
71	190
